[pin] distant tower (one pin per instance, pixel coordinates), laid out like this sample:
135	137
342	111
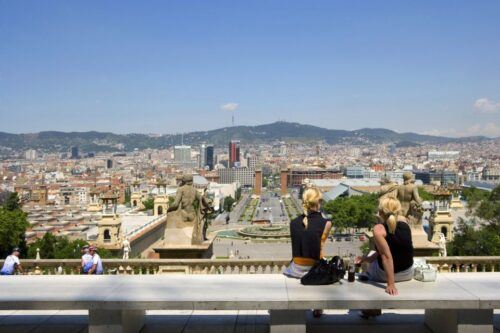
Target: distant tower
94	205
161	199
234	153
109	227
284	182
203	156
442	221
258	183
209	154
74	153
136	196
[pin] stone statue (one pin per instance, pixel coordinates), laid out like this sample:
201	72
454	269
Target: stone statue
206	211
388	189
188	210
442	245
411	204
126	249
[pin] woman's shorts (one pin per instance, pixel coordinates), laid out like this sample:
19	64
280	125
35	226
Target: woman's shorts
296	271
375	273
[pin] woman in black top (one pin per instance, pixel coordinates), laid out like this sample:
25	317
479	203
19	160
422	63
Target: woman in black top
308	233
393	261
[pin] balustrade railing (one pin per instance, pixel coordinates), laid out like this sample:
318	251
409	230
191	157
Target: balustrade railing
227	266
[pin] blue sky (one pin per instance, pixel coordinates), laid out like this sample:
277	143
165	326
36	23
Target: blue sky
172	66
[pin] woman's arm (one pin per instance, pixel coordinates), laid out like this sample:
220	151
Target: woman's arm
324	237
369	258
379	234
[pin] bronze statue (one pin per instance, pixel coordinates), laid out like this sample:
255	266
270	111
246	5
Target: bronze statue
411	204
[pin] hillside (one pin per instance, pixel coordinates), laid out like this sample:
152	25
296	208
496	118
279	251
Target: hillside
283	131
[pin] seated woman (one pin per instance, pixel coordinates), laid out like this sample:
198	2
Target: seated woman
393	261
308	233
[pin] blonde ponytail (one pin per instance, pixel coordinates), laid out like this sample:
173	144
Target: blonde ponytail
391	224
310	199
305	220
390	207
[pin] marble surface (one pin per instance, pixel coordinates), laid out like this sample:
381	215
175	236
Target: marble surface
242	292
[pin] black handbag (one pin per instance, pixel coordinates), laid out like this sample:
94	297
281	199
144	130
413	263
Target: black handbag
324	272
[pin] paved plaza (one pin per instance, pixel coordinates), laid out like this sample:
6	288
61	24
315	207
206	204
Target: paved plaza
279	250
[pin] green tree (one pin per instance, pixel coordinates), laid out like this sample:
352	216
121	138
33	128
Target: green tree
488	208
127	195
353	212
11	201
480	234
237	194
228	203
471	241
474	197
149	204
424	195
60	247
13	224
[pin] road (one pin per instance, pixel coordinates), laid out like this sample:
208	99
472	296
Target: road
271	208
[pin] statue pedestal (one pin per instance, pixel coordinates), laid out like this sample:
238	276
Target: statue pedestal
422	247
202	251
178	241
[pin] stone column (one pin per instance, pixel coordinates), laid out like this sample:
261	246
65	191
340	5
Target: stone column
116	321
459	321
288	321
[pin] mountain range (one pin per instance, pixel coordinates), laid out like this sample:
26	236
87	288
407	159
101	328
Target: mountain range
278	131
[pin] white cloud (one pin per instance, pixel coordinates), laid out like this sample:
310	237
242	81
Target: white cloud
229	107
488	129
486	105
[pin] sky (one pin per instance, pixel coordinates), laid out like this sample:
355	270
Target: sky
172	66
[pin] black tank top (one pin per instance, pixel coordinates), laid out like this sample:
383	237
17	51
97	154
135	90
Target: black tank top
306	243
401	247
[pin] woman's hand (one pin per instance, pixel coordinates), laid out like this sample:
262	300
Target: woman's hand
358	260
391	290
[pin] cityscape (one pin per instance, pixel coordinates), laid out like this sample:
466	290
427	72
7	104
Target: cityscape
127	209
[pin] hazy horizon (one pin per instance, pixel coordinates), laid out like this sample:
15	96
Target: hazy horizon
181	66
219	128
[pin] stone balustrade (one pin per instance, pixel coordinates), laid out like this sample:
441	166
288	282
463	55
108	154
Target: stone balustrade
227	266
465	264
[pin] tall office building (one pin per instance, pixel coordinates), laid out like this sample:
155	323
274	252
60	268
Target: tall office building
209	157
30	154
74	153
203	156
234	153
182	154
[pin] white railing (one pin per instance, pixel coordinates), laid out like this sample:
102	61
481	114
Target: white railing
228	266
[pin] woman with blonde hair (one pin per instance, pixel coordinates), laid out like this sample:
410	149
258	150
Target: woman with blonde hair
393	261
308	233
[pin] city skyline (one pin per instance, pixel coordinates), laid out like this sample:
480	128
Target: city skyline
429	68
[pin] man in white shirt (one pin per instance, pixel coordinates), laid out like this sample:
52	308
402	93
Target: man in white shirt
12	263
87	260
96	262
